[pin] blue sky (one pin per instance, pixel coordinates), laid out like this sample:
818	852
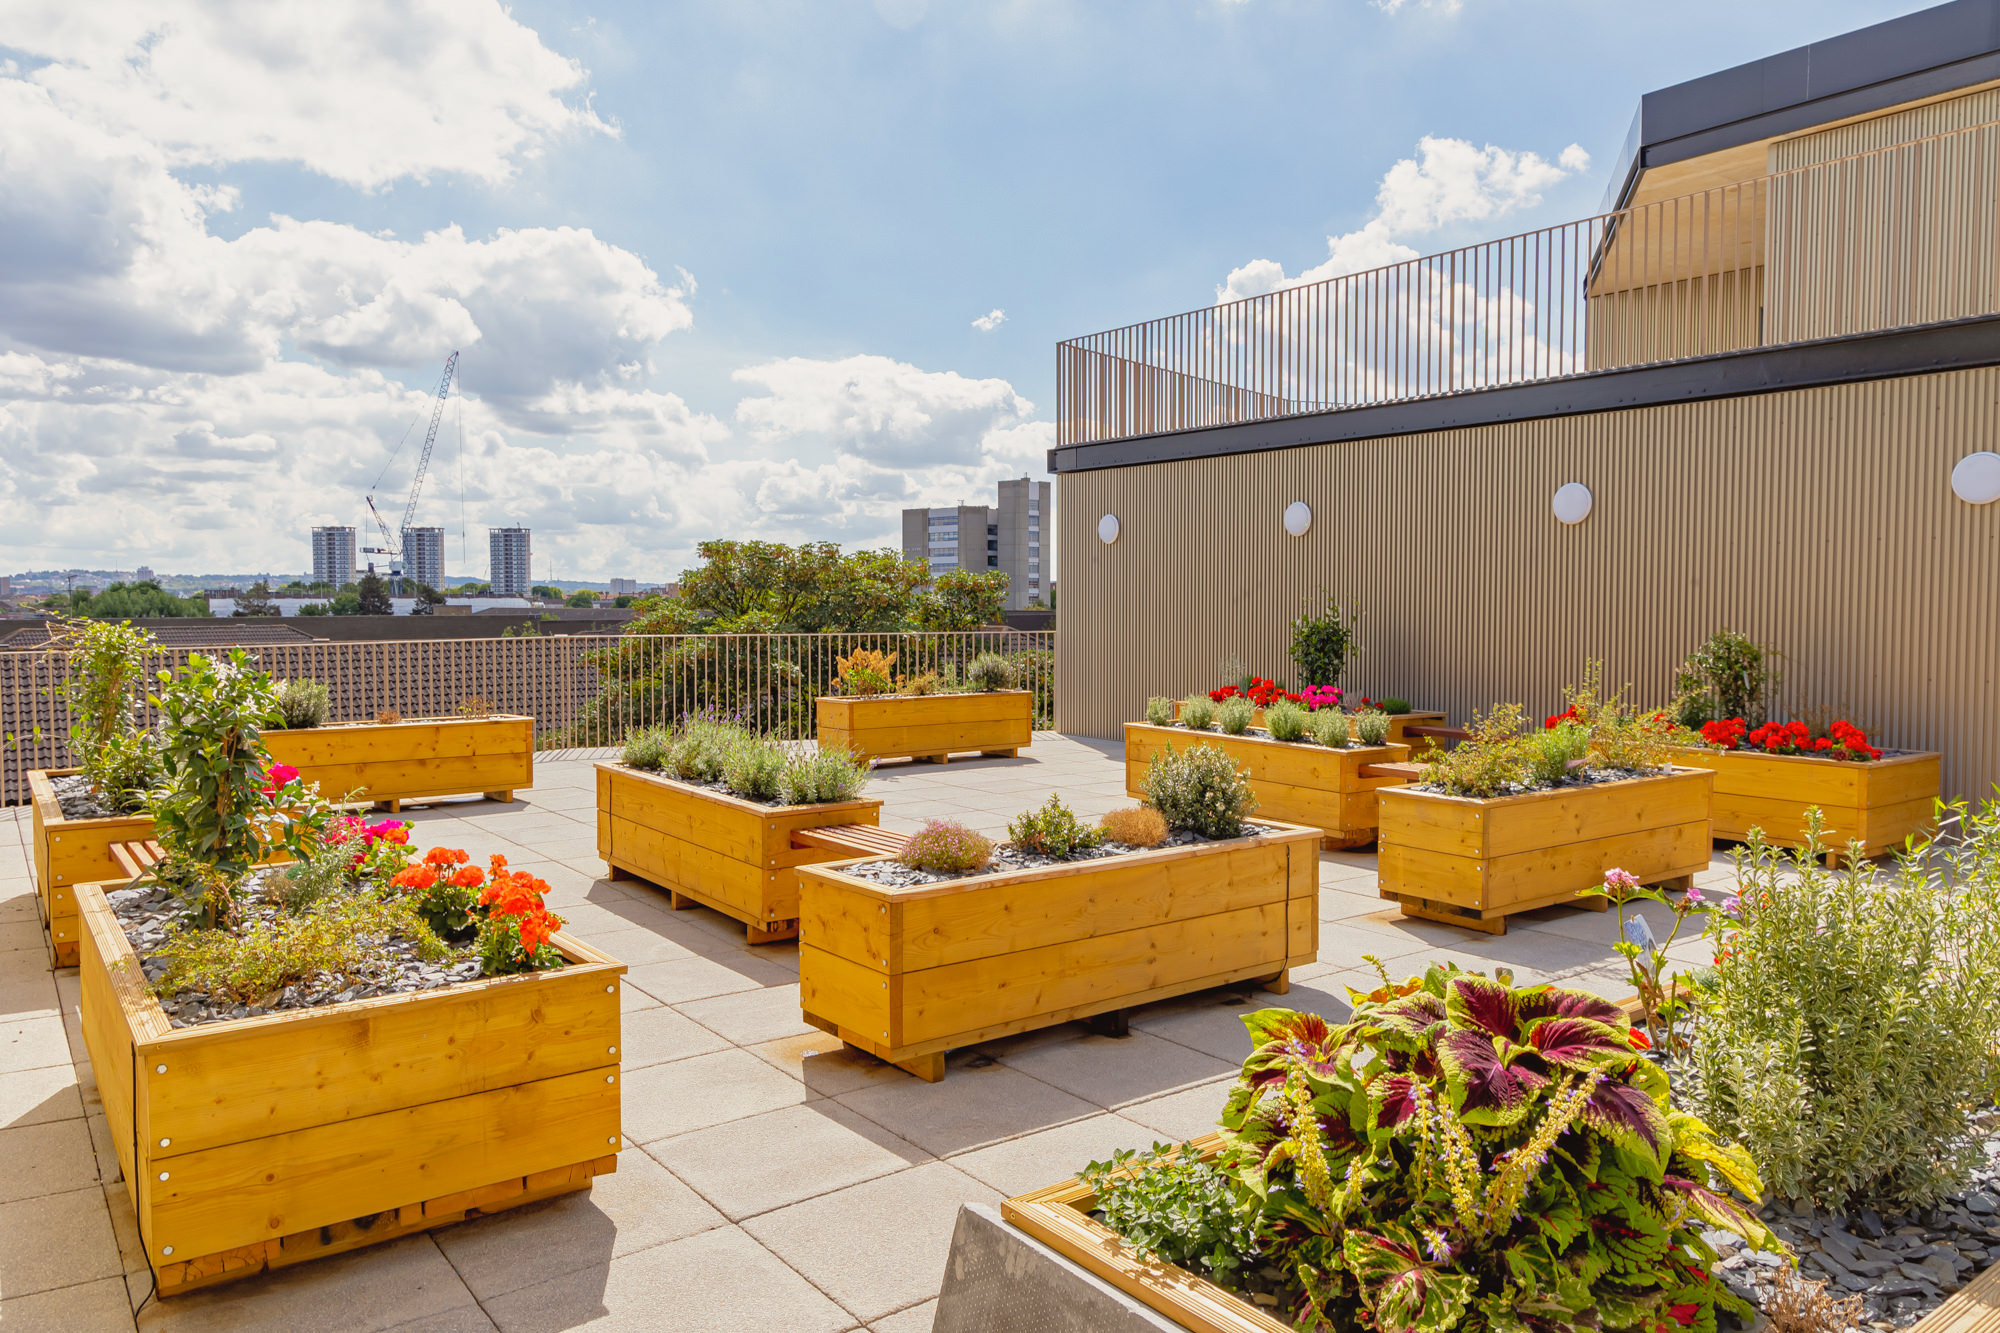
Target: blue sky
714	268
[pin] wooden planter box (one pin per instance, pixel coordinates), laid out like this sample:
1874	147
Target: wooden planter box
1294	782
1059	1217
406	761
1474	862
1400	722
1881	802
69	852
928	726
265	1141
908	974
712	849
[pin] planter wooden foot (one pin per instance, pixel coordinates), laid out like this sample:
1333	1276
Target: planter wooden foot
929	1068
1278	984
682	902
1426	910
1347	844
1117	1023
771	932
1000	754
504	797
620	872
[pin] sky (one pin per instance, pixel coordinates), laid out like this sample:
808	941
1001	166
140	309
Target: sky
751	268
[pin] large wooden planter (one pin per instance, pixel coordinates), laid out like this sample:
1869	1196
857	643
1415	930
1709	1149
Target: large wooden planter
265	1141
909	973
1881	802
1295	782
69	852
705	847
404	761
1059	1217
1473	862
928	726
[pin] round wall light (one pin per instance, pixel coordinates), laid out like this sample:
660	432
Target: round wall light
1572	502
1976	478
1298	518
1107	529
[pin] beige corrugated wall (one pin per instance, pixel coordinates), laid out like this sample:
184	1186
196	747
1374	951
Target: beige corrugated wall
1819	521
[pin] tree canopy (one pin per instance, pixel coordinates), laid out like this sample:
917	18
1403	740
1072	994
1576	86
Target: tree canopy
373	595
772	588
130	601
961	599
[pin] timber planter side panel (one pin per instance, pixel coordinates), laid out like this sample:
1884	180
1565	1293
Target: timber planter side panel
266	1141
910	973
1294	782
421	758
1473	862
714	849
1880	802
69	852
927	726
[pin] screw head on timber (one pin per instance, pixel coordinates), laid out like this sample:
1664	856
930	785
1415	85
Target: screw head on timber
611	1078
163	1175
166	1143
611	1050
159	1069
611	990
613	1140
166	1249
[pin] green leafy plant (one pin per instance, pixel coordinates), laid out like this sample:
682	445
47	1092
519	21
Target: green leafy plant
1201	790
1492	758
864	672
1136	826
648	750
1054	831
106	665
1466	1155
1555	752
1235	715
1177	1208
1198	712
1160	711
1286	721
1321	644
946	847
1393	705
1331	727
1621	736
990	671
333	938
1664	1004
1847	1031
1371	726
820	776
1729	675
303	703
753	766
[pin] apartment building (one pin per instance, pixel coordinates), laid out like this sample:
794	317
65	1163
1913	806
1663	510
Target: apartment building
1007	536
423	556
624	587
333	555
510	554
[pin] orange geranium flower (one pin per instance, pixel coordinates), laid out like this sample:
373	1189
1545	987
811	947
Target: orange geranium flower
441	857
469	877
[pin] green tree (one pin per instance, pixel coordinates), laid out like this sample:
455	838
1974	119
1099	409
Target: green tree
427	597
373	595
962	599
315	609
257	601
623	601
346	603
768	587
582	597
127	601
549	591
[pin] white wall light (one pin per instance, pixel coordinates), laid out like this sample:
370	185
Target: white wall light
1107	529
1572	502
1976	478
1298	518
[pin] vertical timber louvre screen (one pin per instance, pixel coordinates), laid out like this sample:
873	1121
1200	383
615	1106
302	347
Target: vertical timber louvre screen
582	690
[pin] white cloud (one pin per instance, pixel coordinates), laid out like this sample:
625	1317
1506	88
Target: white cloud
363	91
991	320
885	411
1447	183
1446	7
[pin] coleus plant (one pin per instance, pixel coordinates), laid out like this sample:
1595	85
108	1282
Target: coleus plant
1466	1155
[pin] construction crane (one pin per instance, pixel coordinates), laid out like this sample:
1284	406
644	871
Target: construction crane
391	541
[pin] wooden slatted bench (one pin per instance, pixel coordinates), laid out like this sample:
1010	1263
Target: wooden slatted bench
1975	1308
856	839
137	857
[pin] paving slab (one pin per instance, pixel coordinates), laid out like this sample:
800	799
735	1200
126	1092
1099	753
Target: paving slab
663	1100
975	1105
401	1283
760	1163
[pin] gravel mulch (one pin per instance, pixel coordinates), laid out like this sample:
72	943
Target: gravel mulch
147	911
1007	857
73	793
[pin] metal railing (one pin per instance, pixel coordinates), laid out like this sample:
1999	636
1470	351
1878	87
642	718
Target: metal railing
582	690
1882	239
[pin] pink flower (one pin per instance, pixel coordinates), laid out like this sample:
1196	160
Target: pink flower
1618	882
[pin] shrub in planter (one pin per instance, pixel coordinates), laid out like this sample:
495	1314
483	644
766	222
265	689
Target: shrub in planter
106	661
1371	726
1286	721
647	750
946	847
1321	644
1139	826
864	672
1393	704
820	776
1199	789
1234	715
303	703
1198	712
990	671
1729	676
1054	830
1160	711
1461	1154
1847	1032
1331	728
1592	733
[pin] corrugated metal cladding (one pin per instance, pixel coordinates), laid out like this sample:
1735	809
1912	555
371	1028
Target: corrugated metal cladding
1896	127
1818	521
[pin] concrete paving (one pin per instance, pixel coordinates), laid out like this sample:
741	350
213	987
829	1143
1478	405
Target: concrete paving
770	1180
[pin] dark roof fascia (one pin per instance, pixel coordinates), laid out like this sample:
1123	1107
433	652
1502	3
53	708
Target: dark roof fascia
1958	345
1925	54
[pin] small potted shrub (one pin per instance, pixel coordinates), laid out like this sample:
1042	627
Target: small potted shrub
1460	1154
1512	820
707	810
952	941
1771	775
873	713
280	983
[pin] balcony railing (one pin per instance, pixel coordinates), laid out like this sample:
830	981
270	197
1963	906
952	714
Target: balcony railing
582	690
1896	236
